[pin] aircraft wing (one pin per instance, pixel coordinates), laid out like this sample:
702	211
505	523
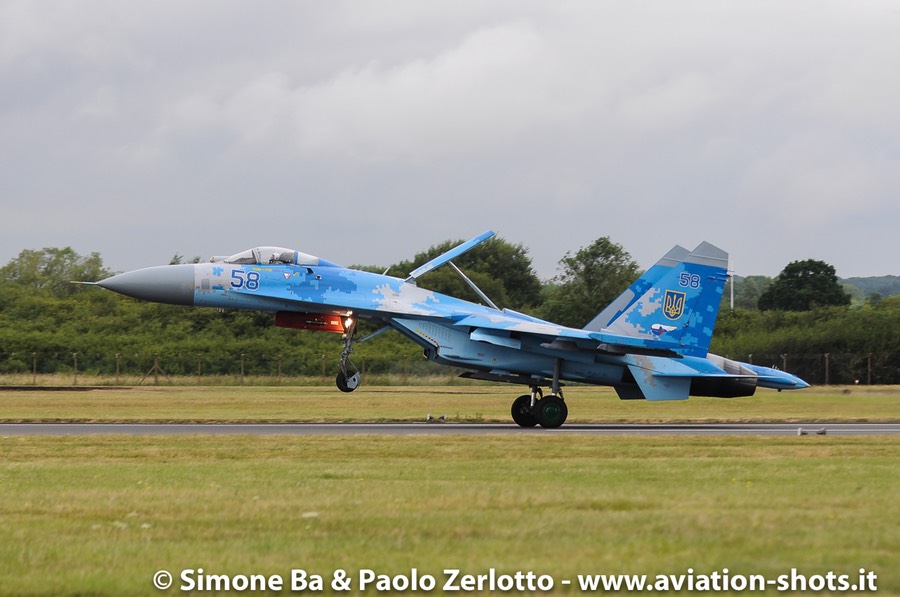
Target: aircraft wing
448	256
506	329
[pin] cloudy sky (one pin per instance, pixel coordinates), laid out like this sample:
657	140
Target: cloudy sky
364	132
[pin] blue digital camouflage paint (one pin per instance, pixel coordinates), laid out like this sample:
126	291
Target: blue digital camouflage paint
650	343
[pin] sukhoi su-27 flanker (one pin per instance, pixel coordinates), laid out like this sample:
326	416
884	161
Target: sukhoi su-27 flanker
650	343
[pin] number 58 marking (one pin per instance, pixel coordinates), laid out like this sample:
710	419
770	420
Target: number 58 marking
242	279
688	280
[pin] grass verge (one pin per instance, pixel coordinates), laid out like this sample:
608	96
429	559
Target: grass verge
100	515
484	403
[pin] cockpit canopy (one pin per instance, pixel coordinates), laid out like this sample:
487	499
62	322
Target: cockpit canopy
270	255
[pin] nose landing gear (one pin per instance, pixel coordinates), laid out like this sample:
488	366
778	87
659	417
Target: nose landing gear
348	379
347	383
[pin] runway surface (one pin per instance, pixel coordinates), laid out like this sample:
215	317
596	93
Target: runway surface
10	429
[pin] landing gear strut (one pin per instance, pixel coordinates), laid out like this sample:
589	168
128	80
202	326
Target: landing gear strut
533	409
348	378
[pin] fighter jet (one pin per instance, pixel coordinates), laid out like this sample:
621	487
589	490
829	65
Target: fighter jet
650	343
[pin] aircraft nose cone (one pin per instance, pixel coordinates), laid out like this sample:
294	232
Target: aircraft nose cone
172	284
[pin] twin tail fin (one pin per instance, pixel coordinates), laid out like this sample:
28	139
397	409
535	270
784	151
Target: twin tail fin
675	303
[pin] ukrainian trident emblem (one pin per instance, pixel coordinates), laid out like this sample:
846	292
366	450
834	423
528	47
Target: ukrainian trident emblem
673	304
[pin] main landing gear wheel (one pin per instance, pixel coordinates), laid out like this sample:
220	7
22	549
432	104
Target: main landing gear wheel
345	383
551	412
533	409
522	412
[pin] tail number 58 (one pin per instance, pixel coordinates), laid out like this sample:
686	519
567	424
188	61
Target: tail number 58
242	279
688	280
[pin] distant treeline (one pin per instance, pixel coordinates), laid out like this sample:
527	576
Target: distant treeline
42	313
748	289
882	286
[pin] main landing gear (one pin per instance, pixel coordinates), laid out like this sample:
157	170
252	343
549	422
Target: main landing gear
533	409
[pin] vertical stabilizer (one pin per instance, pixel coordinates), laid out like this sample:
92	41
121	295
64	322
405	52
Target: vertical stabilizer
637	289
681	306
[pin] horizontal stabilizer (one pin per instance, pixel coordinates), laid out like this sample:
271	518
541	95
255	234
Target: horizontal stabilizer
767	377
656	387
659	378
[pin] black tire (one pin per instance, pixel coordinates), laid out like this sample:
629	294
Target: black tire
552	412
343	385
522	413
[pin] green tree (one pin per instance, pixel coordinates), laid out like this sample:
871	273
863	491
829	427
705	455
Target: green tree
178	259
53	270
747	291
590	280
802	286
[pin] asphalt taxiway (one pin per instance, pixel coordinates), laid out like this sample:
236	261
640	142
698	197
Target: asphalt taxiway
811	428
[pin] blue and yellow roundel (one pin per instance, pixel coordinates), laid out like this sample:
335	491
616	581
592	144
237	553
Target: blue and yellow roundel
673	304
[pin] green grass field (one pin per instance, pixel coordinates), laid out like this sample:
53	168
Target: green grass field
487	403
87	515
99	515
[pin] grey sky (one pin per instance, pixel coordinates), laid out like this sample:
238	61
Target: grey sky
364	132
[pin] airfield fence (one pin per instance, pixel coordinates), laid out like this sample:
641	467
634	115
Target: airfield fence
207	368
872	368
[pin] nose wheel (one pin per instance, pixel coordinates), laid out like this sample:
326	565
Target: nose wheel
347	383
348	379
